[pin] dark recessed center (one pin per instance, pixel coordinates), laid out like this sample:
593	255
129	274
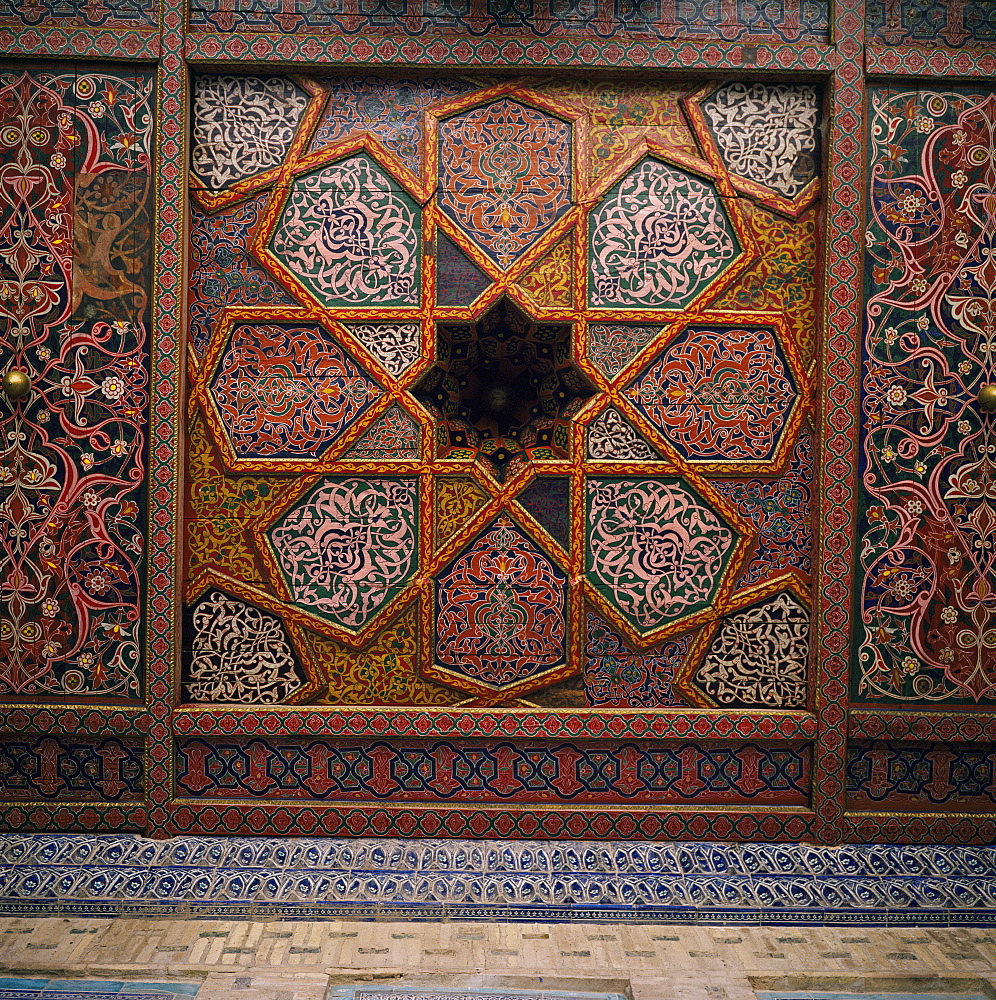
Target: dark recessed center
503	388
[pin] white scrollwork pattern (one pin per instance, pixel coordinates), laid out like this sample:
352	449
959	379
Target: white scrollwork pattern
241	654
243	125
759	657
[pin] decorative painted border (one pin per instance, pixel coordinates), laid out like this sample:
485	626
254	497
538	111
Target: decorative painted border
943	726
77	43
523	53
967	829
838	393
692	882
927	61
498	723
166	413
82	720
60	817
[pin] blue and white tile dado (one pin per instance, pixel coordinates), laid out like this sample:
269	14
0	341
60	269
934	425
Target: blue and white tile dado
496	880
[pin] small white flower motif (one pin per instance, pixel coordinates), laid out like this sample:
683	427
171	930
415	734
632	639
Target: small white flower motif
891	335
922	323
910	665
924	124
949	615
975	307
946	655
959	178
118	447
954	556
902	590
50	607
888	455
85	660
86	460
961	238
918	286
869	238
963	426
895	396
90	499
965	367
96	108
120	326
112	387
44	416
43	353
915	507
919	468
58	161
912	205
51	650
959	138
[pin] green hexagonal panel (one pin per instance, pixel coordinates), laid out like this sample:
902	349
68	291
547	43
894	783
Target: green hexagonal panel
657	550
657	239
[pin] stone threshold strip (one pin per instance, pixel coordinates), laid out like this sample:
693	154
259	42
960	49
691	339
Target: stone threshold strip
618	882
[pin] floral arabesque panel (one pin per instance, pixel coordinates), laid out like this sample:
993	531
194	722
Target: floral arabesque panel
75	271
927	551
500	393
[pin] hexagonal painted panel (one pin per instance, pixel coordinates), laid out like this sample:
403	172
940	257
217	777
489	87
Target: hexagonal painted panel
348	547
656	549
504	175
287	391
351	234
501	610
719	394
657	240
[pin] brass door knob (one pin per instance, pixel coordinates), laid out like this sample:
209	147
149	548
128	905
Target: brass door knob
987	398
16	385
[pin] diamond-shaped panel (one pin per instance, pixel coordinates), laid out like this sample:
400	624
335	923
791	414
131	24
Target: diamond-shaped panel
505	175
719	394
348	546
658	239
287	390
656	549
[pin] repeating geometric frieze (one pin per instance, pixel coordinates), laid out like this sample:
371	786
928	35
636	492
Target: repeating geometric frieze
287	390
500	611
351	235
656	550
504	175
657	240
759	658
243	125
348	547
719	394
767	132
